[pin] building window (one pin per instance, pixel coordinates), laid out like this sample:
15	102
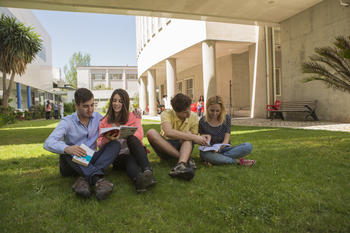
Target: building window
131	77
116	76
162	92
278	81
179	87
189	88
98	76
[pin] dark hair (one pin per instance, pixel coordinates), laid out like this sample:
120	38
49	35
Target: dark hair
123	117
82	95
180	102
201	98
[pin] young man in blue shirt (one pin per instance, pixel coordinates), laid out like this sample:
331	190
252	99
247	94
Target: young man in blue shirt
82	128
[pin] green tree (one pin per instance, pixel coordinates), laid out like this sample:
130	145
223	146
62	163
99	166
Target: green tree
331	65
78	59
19	45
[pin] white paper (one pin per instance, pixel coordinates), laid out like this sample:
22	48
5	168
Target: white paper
215	147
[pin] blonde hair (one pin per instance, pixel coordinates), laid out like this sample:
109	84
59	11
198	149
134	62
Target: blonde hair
216	100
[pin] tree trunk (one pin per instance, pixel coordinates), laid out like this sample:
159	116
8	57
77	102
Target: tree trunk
7	91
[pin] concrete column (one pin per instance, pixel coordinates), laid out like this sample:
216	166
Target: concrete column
170	79
151	75
107	79
19	96
124	80
209	69
29	98
143	94
90	80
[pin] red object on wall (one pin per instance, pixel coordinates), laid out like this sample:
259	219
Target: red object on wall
194	107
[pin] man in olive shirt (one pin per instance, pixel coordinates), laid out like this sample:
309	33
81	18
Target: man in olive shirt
179	130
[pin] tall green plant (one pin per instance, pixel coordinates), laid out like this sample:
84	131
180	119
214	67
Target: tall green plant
19	45
77	59
331	65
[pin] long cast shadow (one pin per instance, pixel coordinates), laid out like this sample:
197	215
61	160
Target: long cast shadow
24	136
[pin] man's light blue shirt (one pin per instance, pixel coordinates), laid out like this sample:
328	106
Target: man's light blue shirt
70	131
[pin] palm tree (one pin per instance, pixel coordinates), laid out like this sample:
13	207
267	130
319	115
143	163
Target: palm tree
331	65
19	45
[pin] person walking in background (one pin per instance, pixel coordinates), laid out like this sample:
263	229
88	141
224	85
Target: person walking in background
82	128
133	156
48	110
55	109
61	106
216	125
200	106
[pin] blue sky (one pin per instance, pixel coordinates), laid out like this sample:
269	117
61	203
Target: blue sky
109	39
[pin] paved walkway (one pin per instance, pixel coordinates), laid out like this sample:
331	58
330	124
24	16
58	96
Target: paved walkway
317	125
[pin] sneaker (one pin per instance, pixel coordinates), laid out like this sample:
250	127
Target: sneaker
191	163
246	162
144	180
103	188
81	187
183	171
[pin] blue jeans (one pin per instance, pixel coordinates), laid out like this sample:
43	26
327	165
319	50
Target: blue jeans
97	166
228	155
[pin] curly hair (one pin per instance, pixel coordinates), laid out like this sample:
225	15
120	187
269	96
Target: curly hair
180	102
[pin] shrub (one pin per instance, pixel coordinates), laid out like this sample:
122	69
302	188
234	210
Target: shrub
135	101
38	111
68	108
7	115
104	109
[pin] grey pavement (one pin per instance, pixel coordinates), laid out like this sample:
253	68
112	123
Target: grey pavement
315	125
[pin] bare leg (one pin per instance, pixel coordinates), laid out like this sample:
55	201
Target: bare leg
157	141
185	151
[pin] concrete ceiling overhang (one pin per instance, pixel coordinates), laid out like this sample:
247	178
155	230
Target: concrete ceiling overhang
231	11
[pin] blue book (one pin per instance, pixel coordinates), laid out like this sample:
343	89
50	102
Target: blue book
84	160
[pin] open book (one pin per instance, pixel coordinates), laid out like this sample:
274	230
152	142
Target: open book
125	131
215	147
86	159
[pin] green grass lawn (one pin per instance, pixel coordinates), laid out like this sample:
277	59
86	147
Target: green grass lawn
300	183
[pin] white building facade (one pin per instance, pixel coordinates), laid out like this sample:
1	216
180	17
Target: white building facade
35	86
250	66
203	58
103	80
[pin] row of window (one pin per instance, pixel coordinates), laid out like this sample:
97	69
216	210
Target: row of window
148	27
186	86
113	76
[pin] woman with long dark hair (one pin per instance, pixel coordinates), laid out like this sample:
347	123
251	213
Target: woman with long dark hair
133	155
200	106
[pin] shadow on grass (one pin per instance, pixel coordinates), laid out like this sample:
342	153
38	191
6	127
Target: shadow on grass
24	136
31	123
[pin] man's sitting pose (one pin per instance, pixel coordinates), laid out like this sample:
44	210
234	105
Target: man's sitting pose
82	128
179	129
